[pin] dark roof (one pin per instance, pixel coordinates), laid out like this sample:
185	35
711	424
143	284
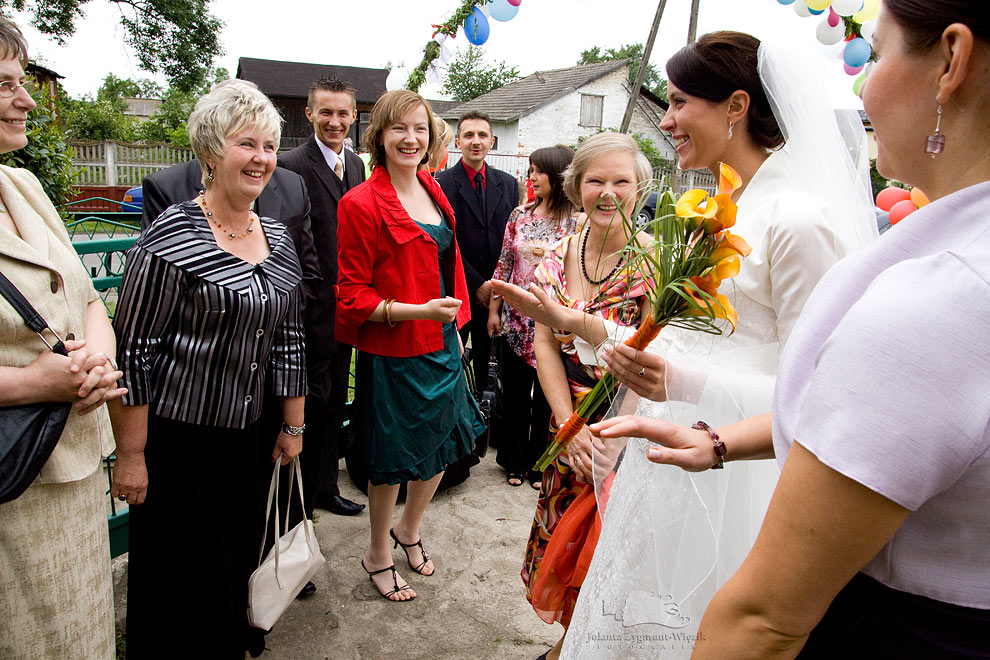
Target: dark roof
293	79
35	68
523	96
442	108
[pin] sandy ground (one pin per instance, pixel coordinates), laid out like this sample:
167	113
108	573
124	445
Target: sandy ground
472	607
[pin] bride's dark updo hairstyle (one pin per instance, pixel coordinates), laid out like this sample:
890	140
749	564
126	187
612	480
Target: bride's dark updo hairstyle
923	21
718	64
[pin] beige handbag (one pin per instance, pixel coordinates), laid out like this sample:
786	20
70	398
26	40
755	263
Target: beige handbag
290	564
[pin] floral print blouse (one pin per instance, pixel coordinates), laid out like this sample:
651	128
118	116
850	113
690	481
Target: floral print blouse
620	302
528	238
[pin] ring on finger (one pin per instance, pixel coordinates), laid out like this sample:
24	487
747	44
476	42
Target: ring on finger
122	498
642	372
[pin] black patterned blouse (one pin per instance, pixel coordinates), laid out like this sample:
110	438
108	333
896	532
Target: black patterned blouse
200	330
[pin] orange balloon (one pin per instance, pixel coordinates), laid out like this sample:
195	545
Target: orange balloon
901	210
890	196
919	198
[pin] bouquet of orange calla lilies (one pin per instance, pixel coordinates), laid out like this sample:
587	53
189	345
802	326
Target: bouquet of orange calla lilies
692	251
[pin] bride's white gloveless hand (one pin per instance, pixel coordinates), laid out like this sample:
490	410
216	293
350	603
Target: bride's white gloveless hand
687	448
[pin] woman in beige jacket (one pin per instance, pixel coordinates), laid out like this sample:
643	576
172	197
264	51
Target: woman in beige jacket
56	598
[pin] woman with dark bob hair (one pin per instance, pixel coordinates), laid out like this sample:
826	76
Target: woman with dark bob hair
530	233
399	301
877	540
803	204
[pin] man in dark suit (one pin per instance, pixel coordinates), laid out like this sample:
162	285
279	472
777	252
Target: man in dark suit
329	171
482	198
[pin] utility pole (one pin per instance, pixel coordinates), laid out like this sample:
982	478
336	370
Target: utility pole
641	74
693	23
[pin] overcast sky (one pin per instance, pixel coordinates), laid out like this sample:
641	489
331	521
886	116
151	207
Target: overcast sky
545	34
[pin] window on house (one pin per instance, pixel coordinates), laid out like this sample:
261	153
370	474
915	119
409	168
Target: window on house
591	110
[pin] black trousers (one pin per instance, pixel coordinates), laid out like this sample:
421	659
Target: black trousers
481	344
522	430
869	620
320	457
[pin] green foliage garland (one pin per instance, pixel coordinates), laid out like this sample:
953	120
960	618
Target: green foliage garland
432	50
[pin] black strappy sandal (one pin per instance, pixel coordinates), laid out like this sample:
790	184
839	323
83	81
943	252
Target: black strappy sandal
405	548
395	581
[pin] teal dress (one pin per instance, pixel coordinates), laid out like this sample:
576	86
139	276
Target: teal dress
415	415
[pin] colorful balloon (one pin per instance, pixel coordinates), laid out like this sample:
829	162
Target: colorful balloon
891	195
502	10
817	5
815	12
858	84
919	198
851	70
869	12
476	27
830	34
833	18
516	3
785	2
846	7
857	52
901	210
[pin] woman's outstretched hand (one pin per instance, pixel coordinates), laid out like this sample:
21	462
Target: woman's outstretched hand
534	303
644	372
689	449
442	309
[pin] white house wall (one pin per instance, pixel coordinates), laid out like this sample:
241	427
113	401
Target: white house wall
557	122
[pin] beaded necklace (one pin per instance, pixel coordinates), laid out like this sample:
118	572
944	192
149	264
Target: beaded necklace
209	214
584	270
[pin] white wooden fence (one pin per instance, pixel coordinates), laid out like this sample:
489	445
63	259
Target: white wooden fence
111	163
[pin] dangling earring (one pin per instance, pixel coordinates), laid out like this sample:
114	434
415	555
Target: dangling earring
936	141
730	130
209	174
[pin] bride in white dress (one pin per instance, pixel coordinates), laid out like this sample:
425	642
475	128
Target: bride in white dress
671	538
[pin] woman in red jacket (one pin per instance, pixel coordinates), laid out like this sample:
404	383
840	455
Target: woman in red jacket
398	266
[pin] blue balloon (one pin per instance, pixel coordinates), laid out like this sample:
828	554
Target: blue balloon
476	27
503	10
857	52
786	2
815	12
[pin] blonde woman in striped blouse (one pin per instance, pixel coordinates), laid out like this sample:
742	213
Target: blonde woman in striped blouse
210	323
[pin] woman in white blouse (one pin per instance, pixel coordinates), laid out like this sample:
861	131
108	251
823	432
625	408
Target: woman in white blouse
723	109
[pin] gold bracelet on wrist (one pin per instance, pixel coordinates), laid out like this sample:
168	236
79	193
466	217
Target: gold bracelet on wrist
388	312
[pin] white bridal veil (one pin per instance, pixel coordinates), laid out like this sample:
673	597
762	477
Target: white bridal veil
671	538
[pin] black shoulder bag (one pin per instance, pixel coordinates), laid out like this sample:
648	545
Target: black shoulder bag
28	433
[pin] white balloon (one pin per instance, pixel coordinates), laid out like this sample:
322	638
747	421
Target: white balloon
847	7
866	30
397	78
829	35
801	9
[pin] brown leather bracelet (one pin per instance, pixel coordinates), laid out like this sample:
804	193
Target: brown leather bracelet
720	449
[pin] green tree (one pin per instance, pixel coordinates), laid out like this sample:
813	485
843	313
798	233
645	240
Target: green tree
653	80
178	38
168	124
469	75
46	155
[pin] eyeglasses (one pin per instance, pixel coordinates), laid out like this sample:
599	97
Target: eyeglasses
8	88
